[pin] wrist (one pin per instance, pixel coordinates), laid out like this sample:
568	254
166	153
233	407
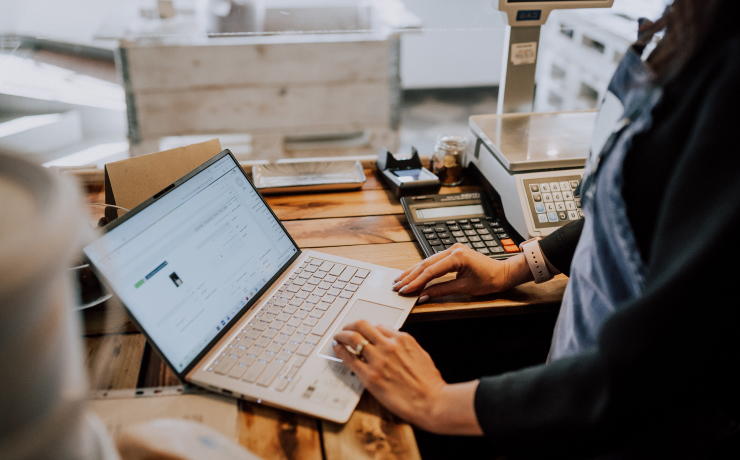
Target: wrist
536	260
517	271
452	410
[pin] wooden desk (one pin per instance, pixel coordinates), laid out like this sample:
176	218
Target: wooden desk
367	225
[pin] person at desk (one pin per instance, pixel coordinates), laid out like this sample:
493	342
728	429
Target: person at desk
645	355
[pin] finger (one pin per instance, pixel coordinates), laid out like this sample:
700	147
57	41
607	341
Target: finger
445	288
370	332
431	272
417	268
352	361
388	332
350	338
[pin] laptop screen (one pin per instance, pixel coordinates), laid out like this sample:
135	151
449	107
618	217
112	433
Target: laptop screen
189	263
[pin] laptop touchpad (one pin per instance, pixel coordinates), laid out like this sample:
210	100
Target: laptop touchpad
373	313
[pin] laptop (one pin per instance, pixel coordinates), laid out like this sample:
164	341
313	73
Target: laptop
225	296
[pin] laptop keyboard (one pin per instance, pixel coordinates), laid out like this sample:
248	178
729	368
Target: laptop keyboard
272	348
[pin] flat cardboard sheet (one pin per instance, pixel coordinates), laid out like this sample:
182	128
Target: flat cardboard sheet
133	180
217	412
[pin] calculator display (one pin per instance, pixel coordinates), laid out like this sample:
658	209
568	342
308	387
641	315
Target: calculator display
449	211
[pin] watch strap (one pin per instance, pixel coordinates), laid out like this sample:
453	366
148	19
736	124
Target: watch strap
536	260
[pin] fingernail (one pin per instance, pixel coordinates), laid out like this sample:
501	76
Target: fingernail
396	285
403	289
334	343
423	299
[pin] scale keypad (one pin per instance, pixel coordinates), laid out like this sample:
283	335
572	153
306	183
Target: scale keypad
484	234
554	200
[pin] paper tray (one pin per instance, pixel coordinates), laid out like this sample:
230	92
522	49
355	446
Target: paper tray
308	176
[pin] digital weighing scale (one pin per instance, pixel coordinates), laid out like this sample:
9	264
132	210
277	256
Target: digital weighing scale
534	163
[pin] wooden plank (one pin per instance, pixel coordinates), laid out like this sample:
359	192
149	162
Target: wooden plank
222	63
371	433
113	361
274	434
349	231
154	372
393	255
107	318
296	109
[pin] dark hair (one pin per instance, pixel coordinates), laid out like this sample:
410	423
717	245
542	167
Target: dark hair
688	24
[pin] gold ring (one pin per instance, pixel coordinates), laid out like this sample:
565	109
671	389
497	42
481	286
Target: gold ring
361	346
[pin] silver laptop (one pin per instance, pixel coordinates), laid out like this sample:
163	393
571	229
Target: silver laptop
225	296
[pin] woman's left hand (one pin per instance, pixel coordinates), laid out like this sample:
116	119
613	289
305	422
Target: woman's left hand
403	377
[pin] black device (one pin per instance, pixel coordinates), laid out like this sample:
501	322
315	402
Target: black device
406	177
439	221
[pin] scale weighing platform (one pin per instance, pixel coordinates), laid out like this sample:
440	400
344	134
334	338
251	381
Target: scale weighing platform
534	163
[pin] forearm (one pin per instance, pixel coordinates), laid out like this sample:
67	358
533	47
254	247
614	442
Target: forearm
517	271
452	411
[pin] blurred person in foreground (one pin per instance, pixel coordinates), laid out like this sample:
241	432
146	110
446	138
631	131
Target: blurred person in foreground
645	356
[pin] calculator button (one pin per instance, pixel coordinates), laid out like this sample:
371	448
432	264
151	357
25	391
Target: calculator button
570	206
470	232
563	216
434	242
454	228
578	203
547	197
573	184
552	216
573	215
440	228
557	196
564	186
447	241
443	235
545	188
498	230
483	231
511	248
458	234
462	240
475	221
507	242
448	246
486	237
560	206
450	222
542	217
549	207
474	238
537	197
466	226
431	236
554	186
580	213
463	221
539	207
479	226
483	250
496	249
438	249
427	230
534	187
491	244
567	196
468	245
478	244
503	235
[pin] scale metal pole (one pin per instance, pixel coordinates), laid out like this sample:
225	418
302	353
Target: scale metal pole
516	90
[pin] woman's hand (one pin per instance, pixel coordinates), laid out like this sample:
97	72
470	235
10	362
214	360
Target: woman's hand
403	377
476	274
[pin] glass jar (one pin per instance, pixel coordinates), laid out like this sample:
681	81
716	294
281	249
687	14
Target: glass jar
447	161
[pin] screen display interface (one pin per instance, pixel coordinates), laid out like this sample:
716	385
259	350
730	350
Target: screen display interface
449	211
187	264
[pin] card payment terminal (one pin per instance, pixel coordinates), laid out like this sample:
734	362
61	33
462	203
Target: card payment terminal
534	162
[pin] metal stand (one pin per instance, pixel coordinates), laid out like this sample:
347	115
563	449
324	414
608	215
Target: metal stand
516	90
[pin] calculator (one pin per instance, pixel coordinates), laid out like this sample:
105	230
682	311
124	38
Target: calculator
553	201
439	221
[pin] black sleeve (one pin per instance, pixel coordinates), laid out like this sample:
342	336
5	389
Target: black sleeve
662	382
560	245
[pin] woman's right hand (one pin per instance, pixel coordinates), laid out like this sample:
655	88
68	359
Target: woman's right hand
476	274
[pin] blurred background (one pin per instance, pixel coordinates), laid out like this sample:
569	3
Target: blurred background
87	82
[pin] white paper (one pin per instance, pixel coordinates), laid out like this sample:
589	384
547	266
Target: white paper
524	53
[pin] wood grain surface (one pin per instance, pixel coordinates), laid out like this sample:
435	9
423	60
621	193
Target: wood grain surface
371	433
113	361
348	231
154	371
274	434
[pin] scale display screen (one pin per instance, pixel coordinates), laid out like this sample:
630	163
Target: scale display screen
449	211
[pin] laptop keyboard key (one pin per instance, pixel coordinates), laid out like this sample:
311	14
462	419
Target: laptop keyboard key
225	363
324	305
339	284
303	329
362	273
310	321
300	314
254	371
295	322
313	339
237	371
331	314
316	262
346	294
347	274
351	287
337	270
281	384
324	285
326	266
305	349
356	280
